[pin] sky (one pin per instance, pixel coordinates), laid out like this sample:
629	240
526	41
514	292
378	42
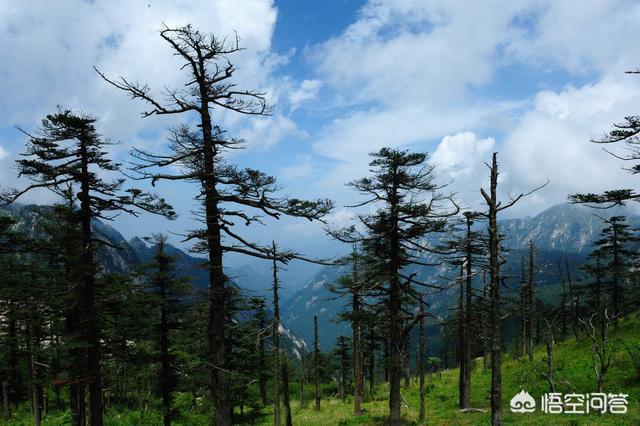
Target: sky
532	80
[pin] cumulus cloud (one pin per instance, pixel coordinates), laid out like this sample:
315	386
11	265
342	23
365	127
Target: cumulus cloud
551	141
47	51
265	132
415	51
458	154
308	90
579	37
409	73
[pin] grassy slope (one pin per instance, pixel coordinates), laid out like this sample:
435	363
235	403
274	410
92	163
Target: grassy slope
574	372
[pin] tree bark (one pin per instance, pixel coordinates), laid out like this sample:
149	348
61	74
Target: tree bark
530	302
463	396
276	343
420	361
285	388
494	268
165	365
316	361
89	317
468	326
358	388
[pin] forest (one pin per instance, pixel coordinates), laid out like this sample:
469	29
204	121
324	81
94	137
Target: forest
439	314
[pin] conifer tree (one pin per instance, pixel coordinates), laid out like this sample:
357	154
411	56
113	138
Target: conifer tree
228	193
410	207
353	286
614	248
169	290
276	340
65	150
341	352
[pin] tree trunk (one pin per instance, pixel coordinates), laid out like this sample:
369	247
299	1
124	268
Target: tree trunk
165	367
494	267
406	361
302	380
88	308
395	347
218	344
523	308
468	326
316	361
262	377
530	302
420	361
34	374
285	388
358	388
372	367
550	346
276	343
463	396
6	407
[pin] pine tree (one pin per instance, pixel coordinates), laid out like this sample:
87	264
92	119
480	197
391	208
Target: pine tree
614	248
342	355
228	193
409	209
169	290
276	340
68	150
353	286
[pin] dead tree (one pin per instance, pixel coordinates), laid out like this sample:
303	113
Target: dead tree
495	261
551	324
601	352
530	301
228	193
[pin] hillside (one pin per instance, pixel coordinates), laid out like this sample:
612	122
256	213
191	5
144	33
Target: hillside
562	230
574	373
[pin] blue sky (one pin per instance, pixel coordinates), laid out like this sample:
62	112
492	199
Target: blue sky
533	80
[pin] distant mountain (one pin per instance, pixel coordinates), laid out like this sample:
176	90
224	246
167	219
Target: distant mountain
562	230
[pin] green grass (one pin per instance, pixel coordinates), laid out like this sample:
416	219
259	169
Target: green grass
573	373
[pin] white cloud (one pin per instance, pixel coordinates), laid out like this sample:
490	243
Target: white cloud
408	72
580	36
47	50
302	167
459	154
3	153
416	51
308	90
265	132
551	140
